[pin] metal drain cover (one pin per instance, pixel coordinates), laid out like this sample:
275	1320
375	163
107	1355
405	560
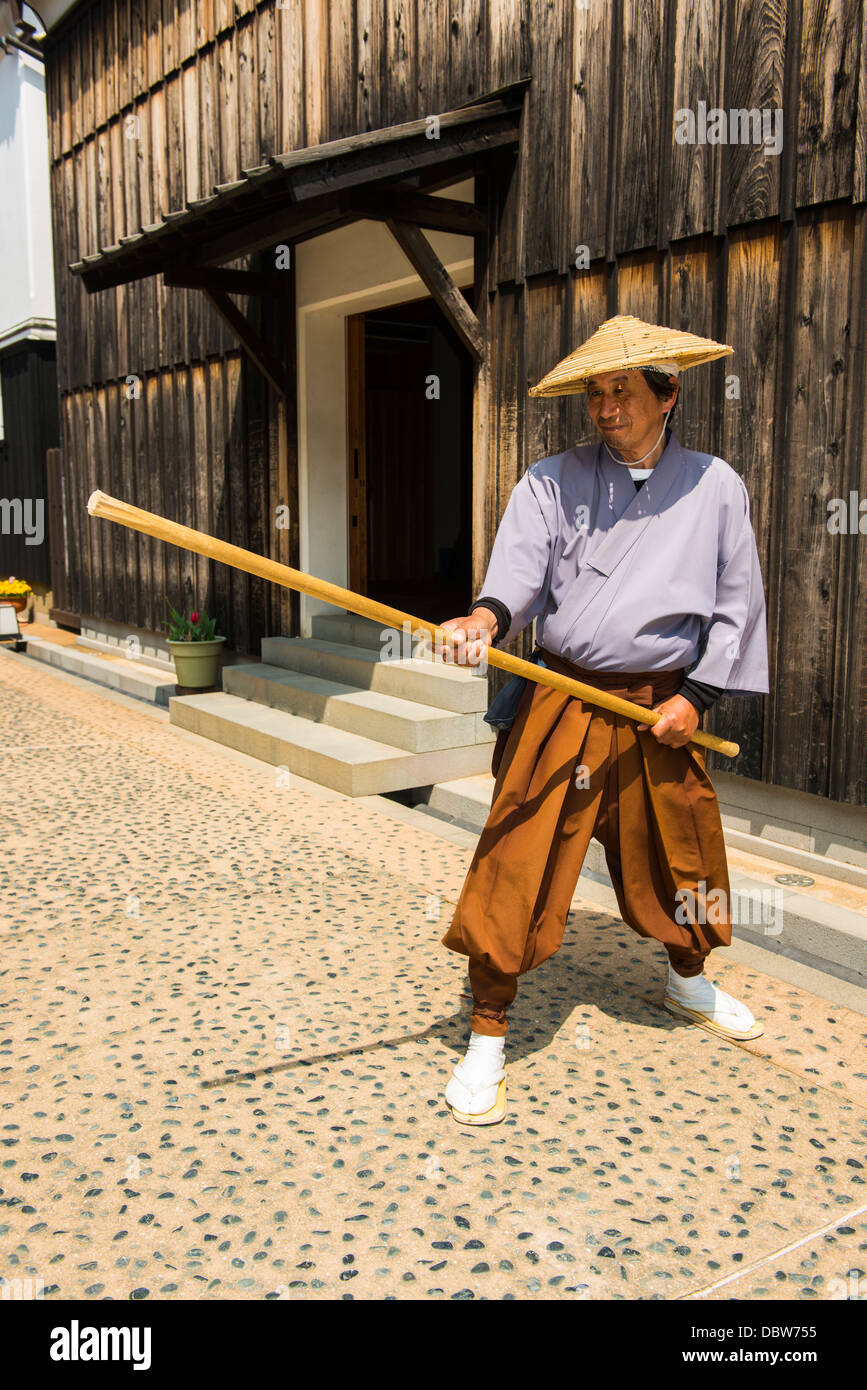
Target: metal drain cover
795	880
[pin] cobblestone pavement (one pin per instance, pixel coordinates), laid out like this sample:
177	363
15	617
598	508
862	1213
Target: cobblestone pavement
226	1024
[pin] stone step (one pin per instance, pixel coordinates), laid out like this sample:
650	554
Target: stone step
790	855
336	758
349	628
406	678
405	724
133	678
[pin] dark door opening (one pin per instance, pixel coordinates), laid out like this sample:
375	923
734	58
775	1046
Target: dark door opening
410	484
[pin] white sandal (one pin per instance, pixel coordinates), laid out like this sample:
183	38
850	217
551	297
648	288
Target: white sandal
492	1116
718	1013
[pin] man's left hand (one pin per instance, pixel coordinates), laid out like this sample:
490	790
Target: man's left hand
678	723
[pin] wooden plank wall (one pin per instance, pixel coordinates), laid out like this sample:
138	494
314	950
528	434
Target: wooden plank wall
151	104
65	569
28	379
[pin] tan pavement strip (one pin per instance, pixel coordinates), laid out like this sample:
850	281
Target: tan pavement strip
838	1282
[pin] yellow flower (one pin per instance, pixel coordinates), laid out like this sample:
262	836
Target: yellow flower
14	586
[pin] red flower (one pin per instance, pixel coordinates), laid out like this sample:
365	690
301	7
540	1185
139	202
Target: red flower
195	618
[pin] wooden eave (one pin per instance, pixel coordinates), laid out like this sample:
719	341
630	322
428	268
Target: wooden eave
299	194
385	174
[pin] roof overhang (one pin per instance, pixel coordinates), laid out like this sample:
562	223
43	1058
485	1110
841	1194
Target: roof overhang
386	174
51	12
32	330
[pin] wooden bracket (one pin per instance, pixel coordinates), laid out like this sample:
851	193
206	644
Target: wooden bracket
265	358
418	250
445	214
192	277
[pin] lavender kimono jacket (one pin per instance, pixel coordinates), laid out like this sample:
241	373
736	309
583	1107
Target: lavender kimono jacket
619	580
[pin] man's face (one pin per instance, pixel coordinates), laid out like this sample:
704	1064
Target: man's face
624	409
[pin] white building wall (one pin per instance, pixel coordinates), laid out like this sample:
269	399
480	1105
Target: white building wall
26	257
347	271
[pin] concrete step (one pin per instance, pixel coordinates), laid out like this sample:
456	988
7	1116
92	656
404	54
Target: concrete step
117	673
801	821
406	678
349	628
466	801
804	860
404	724
336	758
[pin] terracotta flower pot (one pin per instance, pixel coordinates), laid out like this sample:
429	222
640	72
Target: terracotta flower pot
197	663
19	601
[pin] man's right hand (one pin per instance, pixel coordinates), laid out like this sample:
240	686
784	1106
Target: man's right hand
473	635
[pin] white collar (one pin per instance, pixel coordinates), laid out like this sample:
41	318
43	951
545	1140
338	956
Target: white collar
613	456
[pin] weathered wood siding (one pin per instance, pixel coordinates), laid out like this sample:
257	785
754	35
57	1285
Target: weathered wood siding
28	380
764	251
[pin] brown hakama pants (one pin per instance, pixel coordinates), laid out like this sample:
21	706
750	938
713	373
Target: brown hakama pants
568	770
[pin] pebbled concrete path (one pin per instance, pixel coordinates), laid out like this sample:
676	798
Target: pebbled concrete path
226	1023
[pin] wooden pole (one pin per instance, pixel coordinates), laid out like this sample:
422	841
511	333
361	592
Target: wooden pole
112	509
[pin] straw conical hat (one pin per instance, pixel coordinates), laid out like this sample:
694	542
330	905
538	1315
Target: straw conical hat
625	341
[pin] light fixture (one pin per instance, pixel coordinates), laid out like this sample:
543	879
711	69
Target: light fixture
9	629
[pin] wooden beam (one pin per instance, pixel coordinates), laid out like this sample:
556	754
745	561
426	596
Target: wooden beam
356	453
64	619
191	277
266	360
397	159
444	214
287	223
439	176
418	250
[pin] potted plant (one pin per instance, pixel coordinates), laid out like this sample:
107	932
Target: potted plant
194	648
15	591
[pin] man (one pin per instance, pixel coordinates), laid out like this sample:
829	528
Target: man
637	559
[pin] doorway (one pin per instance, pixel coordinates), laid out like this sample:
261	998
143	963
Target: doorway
410	400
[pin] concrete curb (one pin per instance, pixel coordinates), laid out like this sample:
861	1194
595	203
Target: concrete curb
780	960
130	677
819	934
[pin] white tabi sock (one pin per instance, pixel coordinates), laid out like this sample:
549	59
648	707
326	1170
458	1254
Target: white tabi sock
698	993
689	986
472	1088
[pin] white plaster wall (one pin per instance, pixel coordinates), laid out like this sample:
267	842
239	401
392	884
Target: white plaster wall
26	258
343	272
